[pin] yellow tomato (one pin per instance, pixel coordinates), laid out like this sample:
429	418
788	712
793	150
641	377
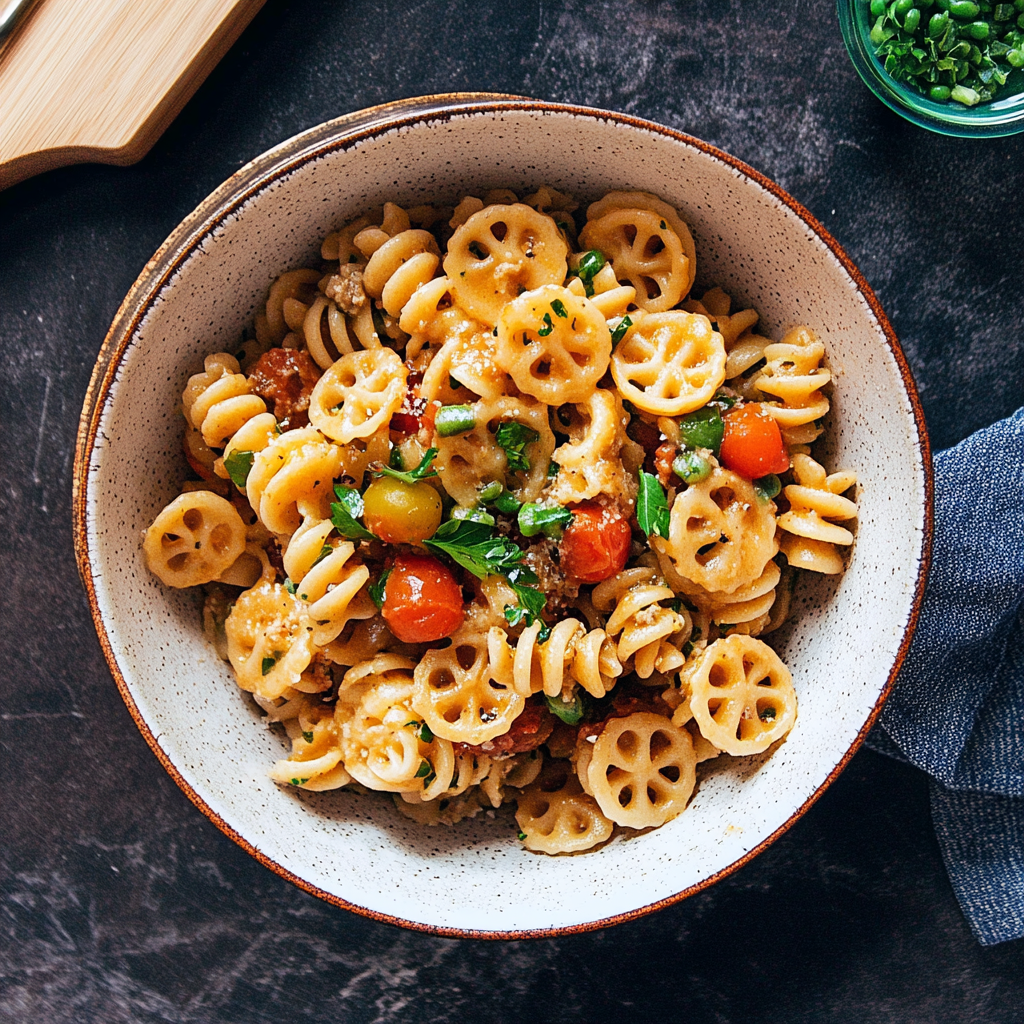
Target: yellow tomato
401	513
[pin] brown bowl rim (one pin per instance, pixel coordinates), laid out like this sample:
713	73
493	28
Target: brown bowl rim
343	133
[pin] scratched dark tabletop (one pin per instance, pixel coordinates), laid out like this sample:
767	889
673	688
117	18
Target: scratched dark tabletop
122	903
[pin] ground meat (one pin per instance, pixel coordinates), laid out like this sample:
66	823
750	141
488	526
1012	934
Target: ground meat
346	289
663	459
528	732
275	556
553	582
285	378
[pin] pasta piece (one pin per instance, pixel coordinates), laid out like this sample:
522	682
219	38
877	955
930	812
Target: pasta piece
326	578
219	404
515	772
383	740
294	286
721	534
570	655
794	374
560	820
291	479
747	609
315	759
647	201
500	252
812	539
445	810
742	695
715	305
598	458
357	396
269	636
642	770
194	540
404	263
669	363
642	625
554	344
467	360
455	694
468	461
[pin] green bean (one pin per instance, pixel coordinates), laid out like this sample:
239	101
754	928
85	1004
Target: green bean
1015	58
937	24
939	93
506	503
474	515
454	419
550	521
878	8
492	491
912	20
977	30
902	7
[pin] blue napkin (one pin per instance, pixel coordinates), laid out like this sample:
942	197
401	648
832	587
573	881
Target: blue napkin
957	708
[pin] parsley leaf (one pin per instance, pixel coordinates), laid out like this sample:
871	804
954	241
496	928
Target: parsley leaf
620	330
289	586
534	519
548	326
307	736
413	476
266	665
238	465
345	511
652	506
590	263
513	438
376	590
558	308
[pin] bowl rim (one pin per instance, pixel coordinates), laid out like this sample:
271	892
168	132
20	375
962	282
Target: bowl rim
986	122
343	133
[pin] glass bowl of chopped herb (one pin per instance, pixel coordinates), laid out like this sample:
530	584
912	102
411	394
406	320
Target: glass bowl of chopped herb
952	66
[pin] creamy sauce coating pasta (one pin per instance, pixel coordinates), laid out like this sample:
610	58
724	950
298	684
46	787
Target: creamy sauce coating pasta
492	508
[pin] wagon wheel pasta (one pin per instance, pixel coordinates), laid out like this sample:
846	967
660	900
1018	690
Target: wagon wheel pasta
521	550
742	695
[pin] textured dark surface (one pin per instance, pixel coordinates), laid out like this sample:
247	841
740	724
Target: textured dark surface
122	903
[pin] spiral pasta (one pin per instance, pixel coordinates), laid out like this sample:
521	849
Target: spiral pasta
793	374
812	538
519	554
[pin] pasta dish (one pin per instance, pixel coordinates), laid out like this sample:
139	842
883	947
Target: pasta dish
490	508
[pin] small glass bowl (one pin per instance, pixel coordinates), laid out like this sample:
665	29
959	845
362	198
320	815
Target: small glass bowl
1004	116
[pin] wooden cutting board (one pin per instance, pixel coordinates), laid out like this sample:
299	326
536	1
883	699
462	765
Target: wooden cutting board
99	80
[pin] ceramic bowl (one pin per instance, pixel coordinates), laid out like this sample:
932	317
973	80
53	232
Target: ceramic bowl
204	285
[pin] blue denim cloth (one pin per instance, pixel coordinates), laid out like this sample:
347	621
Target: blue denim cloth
957	709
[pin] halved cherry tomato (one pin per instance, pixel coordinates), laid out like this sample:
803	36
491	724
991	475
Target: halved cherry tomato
752	444
401	513
595	544
422	601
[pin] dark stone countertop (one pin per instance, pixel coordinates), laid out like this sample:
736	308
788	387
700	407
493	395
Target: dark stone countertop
122	903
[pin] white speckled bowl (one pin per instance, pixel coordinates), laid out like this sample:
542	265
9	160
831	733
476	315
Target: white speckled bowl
204	285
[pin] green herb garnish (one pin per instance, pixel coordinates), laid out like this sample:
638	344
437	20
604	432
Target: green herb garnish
652	511
238	464
590	264
376	590
413	476
307	736
513	438
619	332
345	513
289	585
558	307
266	665
702	429
548	326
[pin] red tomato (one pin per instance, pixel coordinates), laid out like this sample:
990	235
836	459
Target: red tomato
422	601
752	444
595	544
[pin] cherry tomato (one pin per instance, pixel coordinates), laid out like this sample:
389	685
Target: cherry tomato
401	513
422	601
595	544
752	444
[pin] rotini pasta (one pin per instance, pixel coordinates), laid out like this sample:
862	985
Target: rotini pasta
490	512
